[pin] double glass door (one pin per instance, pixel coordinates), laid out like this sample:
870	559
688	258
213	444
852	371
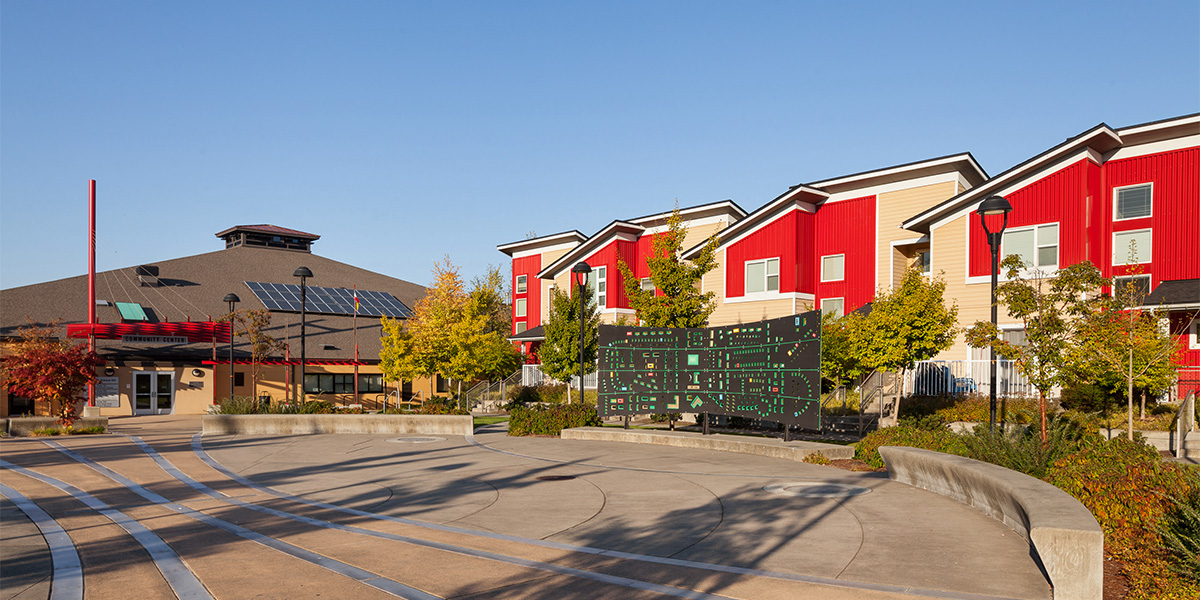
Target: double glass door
153	393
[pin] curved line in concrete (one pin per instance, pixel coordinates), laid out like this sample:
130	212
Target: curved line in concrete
182	580
66	581
720	521
862	535
603	503
198	449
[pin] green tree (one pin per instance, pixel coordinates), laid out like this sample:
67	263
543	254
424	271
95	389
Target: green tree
253	325
47	369
839	361
907	324
1124	342
489	297
560	350
681	303
1049	307
450	333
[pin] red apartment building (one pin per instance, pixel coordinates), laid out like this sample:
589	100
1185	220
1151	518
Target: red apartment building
831	244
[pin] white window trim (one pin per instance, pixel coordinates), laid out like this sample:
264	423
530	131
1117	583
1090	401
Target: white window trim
1145	276
1116	191
823	257
601	275
1141	261
520	307
1194	334
843	299
522	281
1036	246
765	293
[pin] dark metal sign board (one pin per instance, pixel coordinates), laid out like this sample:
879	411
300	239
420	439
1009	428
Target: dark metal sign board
767	370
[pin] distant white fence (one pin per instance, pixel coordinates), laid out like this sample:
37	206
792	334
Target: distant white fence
533	375
960	377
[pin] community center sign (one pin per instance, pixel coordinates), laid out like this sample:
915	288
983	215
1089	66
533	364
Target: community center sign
768	370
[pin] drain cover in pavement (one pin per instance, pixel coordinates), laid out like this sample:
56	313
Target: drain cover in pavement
817	489
416	440
555	477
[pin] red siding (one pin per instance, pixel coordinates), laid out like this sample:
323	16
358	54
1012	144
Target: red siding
779	239
1058	198
847	227
529	267
607	257
1175	252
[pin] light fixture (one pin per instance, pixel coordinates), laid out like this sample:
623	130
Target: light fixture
303	273
109	371
197	373
993	205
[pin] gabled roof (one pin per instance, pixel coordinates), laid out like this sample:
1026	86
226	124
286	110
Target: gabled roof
536	334
589	246
724	207
1178	293
269	229
1100	139
553	239
962	162
795	195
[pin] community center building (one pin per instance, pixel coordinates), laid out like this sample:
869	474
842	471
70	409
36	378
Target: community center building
158	327
831	244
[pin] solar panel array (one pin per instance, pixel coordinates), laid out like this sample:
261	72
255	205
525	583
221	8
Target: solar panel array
327	300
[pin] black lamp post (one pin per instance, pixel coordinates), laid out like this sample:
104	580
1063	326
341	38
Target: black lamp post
994	205
581	271
231	299
303	273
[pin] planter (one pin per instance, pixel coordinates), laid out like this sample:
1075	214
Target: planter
22	426
324	424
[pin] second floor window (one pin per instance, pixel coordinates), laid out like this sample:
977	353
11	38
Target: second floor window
520	307
599	280
1037	245
647	284
833	267
520	286
762	276
1133	202
1131	247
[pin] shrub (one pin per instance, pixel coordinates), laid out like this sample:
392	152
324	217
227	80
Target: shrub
977	409
816	458
1021	449
665	417
439	405
67	430
551	420
1180	532
1130	490
941	440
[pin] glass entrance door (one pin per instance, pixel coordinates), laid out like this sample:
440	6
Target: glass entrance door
153	393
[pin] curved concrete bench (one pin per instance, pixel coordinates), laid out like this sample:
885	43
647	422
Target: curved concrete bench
1065	536
20	426
305	424
771	447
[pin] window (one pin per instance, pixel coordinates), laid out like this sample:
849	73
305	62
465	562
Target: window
520	305
762	276
925	262
1194	334
599	279
330	383
1131	247
1037	246
833	267
1133	288
239	379
833	305
520	285
370	384
520	326
1133	202
647	284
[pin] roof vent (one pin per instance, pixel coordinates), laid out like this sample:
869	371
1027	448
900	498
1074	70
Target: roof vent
147	275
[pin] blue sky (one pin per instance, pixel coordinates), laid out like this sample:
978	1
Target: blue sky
402	132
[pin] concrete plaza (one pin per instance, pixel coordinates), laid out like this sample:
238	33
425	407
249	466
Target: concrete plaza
486	516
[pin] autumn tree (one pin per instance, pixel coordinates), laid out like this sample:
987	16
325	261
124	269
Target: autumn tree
1049	308
840	363
45	368
907	324
253	325
451	333
676	299
559	352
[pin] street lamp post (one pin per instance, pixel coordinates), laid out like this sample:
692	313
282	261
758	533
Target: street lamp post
303	273
581	271
994	205
231	299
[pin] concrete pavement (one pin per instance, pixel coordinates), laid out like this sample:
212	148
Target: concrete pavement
488	516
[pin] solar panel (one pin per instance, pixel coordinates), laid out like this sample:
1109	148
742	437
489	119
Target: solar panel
326	300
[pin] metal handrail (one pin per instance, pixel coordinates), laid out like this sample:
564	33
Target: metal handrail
1185	422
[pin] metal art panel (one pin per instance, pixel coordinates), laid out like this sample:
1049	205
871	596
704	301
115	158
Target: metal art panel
767	370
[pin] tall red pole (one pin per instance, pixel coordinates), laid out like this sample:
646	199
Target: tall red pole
92	280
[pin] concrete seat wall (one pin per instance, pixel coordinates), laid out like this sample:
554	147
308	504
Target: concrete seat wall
360	424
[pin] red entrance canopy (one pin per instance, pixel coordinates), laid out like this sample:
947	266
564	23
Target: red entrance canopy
196	333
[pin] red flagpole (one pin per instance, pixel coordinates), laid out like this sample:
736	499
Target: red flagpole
91	312
357	399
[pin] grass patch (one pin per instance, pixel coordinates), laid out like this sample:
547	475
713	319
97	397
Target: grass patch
68	430
482	421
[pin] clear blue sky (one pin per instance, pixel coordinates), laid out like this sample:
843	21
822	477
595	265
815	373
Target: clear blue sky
402	132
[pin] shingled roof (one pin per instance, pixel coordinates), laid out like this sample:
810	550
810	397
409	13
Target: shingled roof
192	288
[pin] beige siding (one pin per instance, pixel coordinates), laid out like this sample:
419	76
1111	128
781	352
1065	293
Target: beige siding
893	209
732	313
547	259
949	260
699	233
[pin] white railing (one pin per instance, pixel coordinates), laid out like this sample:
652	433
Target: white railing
533	375
960	377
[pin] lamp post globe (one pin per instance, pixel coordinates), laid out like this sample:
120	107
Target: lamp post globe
580	271
992	206
231	299
303	273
